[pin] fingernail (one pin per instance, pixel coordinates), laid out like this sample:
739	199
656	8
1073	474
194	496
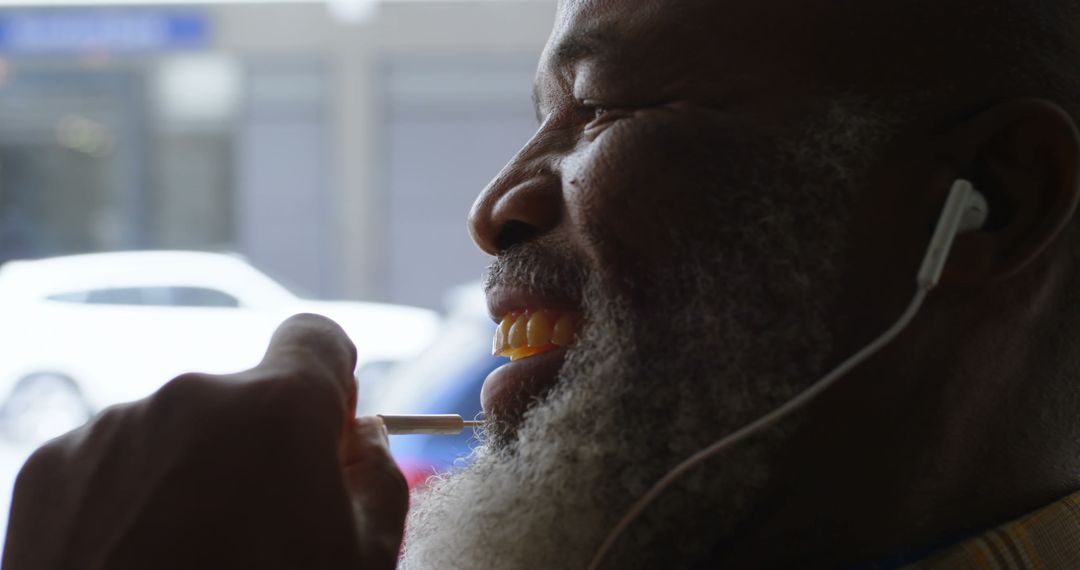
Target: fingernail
384	432
376	428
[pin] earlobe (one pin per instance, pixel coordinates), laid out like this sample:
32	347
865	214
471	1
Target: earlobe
1023	156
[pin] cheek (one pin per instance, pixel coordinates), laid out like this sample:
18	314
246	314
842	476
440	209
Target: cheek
641	182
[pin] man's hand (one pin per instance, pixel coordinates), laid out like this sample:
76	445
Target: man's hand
264	469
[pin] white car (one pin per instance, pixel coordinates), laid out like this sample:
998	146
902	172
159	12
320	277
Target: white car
83	332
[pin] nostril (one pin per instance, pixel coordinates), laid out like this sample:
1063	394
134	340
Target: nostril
517	206
514	232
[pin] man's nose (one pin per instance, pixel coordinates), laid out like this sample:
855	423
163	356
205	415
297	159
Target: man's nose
522	203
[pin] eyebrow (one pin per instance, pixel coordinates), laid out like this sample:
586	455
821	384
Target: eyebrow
586	44
581	46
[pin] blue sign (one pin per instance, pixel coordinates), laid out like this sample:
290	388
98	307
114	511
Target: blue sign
81	31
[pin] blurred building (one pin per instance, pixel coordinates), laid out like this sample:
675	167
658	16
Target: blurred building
336	146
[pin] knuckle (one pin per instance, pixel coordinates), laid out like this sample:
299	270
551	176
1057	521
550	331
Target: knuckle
177	396
44	461
108	418
111	425
183	388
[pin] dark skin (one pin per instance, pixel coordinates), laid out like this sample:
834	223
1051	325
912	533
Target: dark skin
945	433
261	469
948	431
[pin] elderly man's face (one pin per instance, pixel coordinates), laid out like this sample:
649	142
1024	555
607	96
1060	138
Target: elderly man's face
648	114
688	201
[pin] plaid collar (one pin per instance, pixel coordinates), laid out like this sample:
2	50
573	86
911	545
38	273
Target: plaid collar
1048	539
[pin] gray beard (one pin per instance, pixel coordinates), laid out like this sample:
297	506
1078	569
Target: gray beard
731	331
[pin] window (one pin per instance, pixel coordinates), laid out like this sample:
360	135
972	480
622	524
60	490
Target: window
201	297
151	297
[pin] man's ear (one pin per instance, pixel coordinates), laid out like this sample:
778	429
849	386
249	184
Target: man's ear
1024	156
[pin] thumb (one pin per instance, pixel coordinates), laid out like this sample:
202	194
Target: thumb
319	348
378	492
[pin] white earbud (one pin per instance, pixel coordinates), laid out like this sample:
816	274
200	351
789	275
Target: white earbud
976	214
965	210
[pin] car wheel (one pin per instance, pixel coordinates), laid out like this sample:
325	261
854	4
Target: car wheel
43	406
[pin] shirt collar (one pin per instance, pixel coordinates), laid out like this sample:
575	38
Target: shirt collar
1047	539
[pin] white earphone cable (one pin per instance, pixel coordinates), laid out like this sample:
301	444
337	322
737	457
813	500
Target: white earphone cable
964	210
761	423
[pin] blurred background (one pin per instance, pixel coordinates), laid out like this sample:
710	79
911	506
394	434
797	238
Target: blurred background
176	179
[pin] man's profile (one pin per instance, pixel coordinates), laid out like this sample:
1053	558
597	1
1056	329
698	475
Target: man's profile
722	201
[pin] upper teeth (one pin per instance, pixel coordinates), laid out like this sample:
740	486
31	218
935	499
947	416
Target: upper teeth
525	333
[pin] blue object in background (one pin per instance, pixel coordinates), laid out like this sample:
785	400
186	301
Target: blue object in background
445	379
419	456
110	30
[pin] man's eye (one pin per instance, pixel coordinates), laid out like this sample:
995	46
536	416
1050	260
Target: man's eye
594	113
